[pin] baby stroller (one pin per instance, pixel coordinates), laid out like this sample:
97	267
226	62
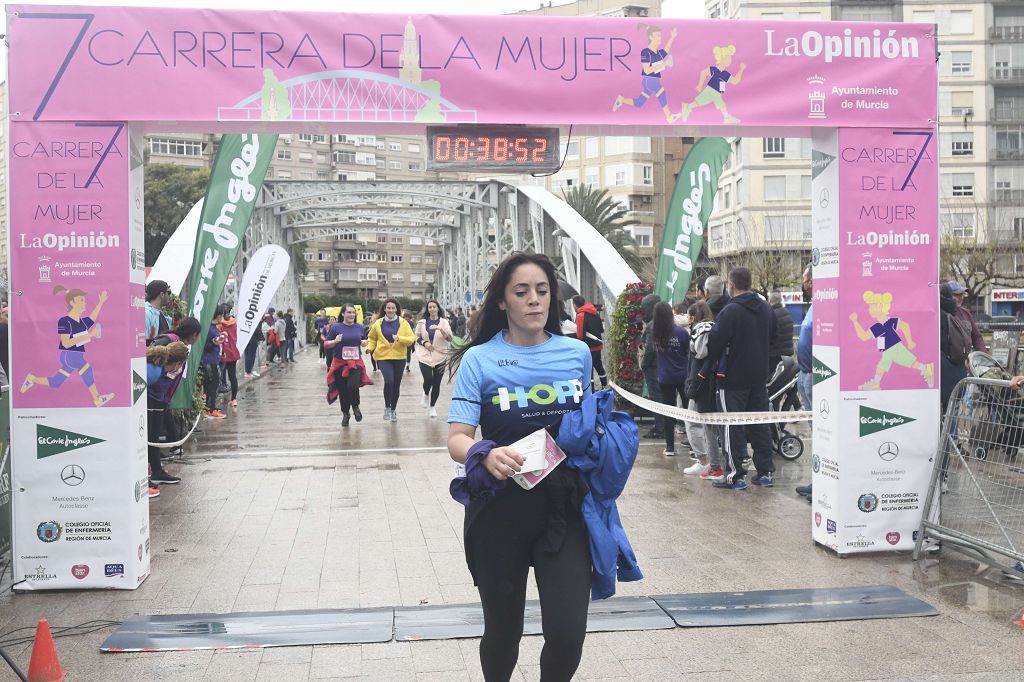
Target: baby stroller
783	397
993	417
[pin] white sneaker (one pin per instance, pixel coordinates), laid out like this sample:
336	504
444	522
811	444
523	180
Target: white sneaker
696	469
433	411
256	374
424	401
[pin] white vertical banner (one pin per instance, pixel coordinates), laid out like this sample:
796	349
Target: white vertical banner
266	270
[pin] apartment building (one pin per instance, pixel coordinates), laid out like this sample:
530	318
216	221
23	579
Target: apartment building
632	169
362	266
763	204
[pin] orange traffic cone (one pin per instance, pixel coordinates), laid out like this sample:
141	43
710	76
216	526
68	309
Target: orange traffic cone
44	666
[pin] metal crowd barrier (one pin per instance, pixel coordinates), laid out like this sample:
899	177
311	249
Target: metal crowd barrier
975	502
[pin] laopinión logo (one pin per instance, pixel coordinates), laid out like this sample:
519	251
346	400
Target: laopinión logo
49	531
868	502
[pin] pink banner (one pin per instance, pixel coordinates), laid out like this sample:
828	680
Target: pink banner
888	244
70	259
234	67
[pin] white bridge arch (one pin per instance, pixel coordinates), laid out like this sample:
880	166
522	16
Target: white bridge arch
476	223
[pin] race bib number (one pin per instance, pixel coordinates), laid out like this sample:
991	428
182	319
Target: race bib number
349	352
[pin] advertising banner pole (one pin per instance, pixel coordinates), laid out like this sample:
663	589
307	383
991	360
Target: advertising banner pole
693	199
235	181
876	338
78	425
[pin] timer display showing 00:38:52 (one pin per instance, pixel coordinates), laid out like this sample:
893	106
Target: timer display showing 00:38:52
496	149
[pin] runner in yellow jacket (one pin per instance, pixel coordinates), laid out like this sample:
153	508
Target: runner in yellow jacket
389	340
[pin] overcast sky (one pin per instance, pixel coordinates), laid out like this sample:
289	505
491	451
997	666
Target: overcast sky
683	9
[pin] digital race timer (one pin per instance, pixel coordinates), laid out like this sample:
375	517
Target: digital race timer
506	149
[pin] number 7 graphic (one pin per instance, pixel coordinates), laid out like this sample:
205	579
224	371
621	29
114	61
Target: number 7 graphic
927	134
86	20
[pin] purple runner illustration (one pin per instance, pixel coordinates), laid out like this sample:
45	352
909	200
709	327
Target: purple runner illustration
711	87
894	348
75	331
653	60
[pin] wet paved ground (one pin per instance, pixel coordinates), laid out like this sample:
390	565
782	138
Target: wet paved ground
281	509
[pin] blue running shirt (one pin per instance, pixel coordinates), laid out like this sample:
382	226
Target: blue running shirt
511	391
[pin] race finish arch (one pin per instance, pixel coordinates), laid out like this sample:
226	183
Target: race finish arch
86	83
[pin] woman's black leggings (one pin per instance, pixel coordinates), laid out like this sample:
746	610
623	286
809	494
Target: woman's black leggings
229	369
432	377
348	389
669	394
506	539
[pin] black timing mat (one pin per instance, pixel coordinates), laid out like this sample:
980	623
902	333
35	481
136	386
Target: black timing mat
453	621
252	630
459	621
714	609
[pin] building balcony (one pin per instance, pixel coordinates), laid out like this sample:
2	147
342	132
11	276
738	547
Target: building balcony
1006	33
1007	154
1008	75
1007	113
1008	196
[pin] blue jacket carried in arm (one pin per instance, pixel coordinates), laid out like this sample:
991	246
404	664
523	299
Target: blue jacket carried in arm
604	445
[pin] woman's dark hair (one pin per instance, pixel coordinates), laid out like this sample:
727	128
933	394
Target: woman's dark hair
700	312
187	328
664	323
344	307
490	319
426	309
384	304
224	310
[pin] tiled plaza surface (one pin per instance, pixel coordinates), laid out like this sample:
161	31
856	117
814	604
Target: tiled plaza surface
279	508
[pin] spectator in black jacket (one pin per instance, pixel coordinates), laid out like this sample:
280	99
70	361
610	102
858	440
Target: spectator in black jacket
782	342
291	332
714	292
649	363
744	331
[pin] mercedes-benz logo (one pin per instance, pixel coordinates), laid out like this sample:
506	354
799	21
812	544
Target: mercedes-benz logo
823	409
888	451
72	475
823	198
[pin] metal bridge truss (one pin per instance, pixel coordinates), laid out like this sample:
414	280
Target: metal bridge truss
477	225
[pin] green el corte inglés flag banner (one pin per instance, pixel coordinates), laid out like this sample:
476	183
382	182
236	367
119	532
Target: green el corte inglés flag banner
235	182
688	212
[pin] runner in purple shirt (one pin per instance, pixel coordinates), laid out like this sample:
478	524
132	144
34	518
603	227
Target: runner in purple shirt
653	60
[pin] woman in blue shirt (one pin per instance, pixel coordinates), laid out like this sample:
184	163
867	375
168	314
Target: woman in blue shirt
518	375
672	347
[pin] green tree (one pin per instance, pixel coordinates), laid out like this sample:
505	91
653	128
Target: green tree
171	191
608	217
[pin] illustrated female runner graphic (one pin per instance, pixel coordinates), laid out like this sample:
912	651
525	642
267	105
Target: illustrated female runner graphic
75	332
887	331
712	84
653	61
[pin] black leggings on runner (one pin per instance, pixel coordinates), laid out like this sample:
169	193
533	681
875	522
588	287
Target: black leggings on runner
348	389
432	377
506	539
229	370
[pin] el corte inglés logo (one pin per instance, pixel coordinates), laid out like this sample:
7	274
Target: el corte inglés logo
873	421
51	441
820	371
138	387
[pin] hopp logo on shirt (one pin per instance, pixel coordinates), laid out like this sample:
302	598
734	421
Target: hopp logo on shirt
539	394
